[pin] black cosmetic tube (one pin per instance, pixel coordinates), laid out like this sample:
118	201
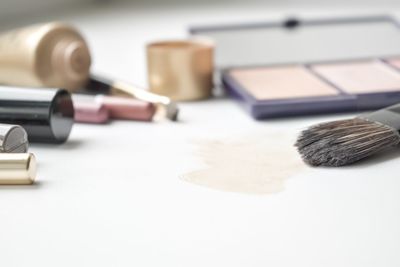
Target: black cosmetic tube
47	115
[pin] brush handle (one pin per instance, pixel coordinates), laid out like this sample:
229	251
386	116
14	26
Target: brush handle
98	85
389	116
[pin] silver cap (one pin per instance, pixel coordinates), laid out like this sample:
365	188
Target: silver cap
13	139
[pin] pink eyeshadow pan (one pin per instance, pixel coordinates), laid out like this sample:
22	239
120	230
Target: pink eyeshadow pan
394	62
361	76
282	82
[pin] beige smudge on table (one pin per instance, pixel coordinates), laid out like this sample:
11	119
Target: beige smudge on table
255	164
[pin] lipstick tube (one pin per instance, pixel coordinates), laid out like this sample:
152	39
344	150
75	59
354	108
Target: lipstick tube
127	108
46	115
89	110
96	109
17	168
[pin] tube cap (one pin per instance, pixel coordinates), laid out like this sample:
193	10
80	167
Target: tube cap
17	168
46	115
71	62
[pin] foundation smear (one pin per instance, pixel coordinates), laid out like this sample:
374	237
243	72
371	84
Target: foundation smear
252	164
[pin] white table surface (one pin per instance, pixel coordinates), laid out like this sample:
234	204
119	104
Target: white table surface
111	196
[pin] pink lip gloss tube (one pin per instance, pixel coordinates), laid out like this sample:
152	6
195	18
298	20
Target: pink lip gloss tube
89	110
127	108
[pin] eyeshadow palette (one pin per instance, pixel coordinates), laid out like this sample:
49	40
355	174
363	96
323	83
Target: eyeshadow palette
291	90
309	67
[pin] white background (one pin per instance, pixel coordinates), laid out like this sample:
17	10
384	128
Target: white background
111	195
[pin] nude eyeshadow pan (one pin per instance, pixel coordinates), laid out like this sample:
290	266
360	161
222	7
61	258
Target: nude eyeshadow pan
282	82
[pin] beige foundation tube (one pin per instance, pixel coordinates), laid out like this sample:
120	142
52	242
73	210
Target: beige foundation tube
46	55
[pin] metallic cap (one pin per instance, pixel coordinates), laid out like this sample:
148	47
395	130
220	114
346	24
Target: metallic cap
17	168
181	70
13	139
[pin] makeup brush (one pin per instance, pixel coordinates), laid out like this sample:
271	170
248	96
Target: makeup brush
343	142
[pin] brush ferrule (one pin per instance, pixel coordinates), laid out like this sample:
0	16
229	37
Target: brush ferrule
389	117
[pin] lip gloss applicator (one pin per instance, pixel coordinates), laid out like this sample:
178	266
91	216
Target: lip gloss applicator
101	108
100	85
127	108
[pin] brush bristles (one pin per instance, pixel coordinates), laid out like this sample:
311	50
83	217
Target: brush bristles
343	142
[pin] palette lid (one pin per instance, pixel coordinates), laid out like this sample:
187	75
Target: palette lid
302	41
